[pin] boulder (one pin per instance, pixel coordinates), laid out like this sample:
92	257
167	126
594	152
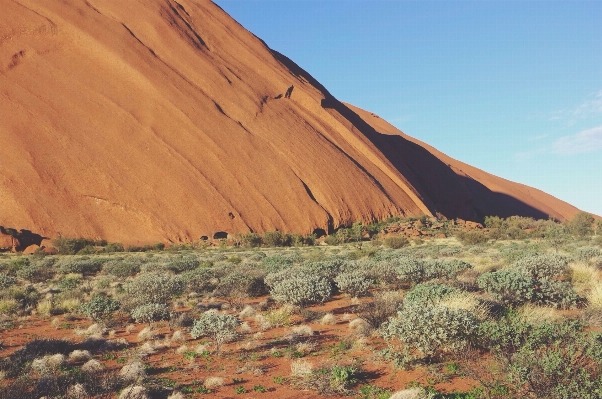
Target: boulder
31	249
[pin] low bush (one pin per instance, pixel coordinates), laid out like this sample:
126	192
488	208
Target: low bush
396	242
586	253
35	273
122	267
151	312
241	284
432	330
513	287
301	290
99	307
384	305
6	281
71	246
428	294
355	283
80	265
542	267
217	326
472	237
152	288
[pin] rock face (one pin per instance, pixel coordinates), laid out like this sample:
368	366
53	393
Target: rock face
153	120
7	243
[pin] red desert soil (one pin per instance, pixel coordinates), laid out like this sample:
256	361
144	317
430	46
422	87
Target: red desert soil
157	120
241	359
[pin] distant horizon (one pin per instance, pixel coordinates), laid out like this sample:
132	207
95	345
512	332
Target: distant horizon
512	88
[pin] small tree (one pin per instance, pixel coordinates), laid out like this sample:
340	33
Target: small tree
581	224
219	327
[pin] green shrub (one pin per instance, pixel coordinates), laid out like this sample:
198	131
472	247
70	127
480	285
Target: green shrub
514	287
6	281
152	288
334	239
151	312
219	327
35	273
251	240
586	253
70	283
200	280
396	242
273	239
428	294
241	284
581	225
99	307
472	237
71	246
122	267
355	283
301	289
542	267
80	265
432	330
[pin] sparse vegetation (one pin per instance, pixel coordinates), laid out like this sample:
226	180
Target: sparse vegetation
490	313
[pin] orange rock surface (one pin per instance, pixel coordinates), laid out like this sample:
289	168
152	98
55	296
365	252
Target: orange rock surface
157	120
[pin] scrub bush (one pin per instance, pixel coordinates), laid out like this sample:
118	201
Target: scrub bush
355	283
301	290
99	307
151	312
219	327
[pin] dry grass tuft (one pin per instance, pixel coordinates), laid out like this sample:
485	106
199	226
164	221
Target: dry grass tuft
213	382
328	319
301	368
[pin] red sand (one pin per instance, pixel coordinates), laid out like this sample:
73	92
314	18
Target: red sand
156	120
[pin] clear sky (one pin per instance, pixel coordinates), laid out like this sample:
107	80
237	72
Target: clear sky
511	87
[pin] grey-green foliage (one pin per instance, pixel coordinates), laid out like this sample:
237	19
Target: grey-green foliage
428	294
586	253
355	283
36	272
99	307
82	265
301	289
123	267
432	330
241	283
6	281
545	360
542	267
152	288
202	279
412	270
218	326
515	287
151	312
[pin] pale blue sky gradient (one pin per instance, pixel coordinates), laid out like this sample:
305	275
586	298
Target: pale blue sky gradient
511	87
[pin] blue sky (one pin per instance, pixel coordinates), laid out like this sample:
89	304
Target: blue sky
511	87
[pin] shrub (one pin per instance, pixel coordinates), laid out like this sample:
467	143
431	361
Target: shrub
273	239
35	273
513	287
409	270
433	330
396	242
241	284
71	246
122	267
99	307
151	312
80	265
472	237
586	253
355	283
302	289
383	306
200	280
70	283
152	288
508	286
6	281
581	225
542	267
251	240
219	327
428	294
